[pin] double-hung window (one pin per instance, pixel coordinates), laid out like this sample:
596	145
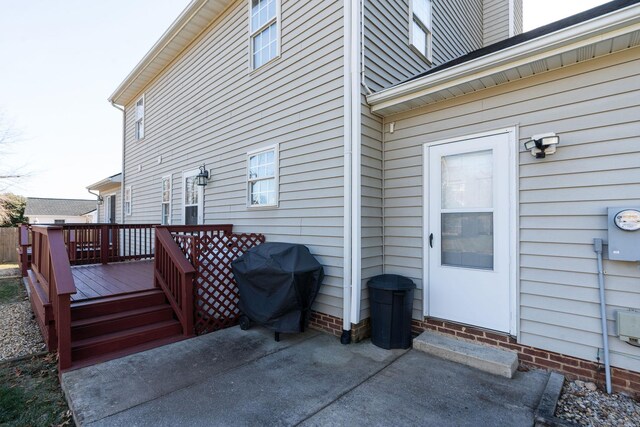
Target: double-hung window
166	201
264	31
420	28
262	177
140	118
127	200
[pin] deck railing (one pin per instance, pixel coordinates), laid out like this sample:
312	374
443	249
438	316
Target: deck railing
105	243
50	265
174	274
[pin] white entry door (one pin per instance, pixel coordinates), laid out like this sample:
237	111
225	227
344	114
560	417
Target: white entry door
193	202
467	233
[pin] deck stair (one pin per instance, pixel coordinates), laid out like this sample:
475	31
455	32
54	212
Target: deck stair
110	327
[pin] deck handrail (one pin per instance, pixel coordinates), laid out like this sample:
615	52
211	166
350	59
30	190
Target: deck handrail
174	275
50	264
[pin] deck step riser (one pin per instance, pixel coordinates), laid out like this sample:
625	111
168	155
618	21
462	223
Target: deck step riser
120	322
103	308
120	341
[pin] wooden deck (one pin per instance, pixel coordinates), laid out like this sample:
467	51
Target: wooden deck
98	280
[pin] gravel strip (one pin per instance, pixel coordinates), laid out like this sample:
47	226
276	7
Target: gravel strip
584	404
19	333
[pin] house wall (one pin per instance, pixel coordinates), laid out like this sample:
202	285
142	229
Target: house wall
595	108
457	29
208	107
495	17
388	59
102	217
49	219
518	17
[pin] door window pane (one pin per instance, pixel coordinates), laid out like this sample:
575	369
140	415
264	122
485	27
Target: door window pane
467	240
467	180
191	215
191	191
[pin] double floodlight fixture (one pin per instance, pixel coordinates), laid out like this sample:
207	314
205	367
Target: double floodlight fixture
542	145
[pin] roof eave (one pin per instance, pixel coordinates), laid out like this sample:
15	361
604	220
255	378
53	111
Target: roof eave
168	47
390	101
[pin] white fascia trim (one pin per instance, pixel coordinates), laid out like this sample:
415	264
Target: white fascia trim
616	23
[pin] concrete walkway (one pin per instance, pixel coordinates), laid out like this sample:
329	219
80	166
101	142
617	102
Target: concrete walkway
236	377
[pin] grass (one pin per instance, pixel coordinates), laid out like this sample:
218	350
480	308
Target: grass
11	290
30	394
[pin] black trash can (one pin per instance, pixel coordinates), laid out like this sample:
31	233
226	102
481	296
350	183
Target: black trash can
391	304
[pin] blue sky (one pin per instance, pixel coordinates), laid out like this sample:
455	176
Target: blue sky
62	59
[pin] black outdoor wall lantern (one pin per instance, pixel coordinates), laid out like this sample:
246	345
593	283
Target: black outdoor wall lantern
203	177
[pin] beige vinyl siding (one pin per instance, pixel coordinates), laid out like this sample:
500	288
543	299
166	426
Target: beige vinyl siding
207	107
496	21
371	214
457	29
595	108
518	17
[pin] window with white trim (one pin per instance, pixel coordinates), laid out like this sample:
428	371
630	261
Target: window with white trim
140	118
166	201
262	177
264	31
420	28
127	200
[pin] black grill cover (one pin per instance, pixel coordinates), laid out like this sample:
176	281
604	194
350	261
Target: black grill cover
278	283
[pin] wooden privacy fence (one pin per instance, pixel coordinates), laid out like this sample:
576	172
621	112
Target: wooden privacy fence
8	244
215	289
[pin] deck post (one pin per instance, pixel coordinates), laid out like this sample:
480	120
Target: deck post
23	242
63	318
104	243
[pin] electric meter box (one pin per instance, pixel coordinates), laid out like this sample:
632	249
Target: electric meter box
624	233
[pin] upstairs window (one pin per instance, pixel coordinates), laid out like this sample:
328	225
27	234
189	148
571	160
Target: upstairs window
140	118
264	31
127	200
166	201
420	28
262	177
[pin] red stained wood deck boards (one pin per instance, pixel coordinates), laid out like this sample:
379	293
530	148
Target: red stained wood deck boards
94	281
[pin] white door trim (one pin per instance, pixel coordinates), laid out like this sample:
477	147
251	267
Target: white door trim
514	235
185	175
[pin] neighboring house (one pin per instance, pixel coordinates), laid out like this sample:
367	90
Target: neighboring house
58	211
372	130
109	193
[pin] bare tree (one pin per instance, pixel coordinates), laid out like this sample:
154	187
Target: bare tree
10	204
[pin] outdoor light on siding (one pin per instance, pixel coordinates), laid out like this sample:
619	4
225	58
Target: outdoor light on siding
543	144
203	177
100	200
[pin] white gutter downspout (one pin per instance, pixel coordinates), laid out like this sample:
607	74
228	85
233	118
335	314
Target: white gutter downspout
346	286
124	135
351	164
356	160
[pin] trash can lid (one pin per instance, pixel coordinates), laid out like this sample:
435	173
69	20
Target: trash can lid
391	282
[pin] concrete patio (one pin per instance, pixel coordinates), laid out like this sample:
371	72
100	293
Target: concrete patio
236	377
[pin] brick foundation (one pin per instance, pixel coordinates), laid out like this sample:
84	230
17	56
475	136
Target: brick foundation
573	368
333	326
